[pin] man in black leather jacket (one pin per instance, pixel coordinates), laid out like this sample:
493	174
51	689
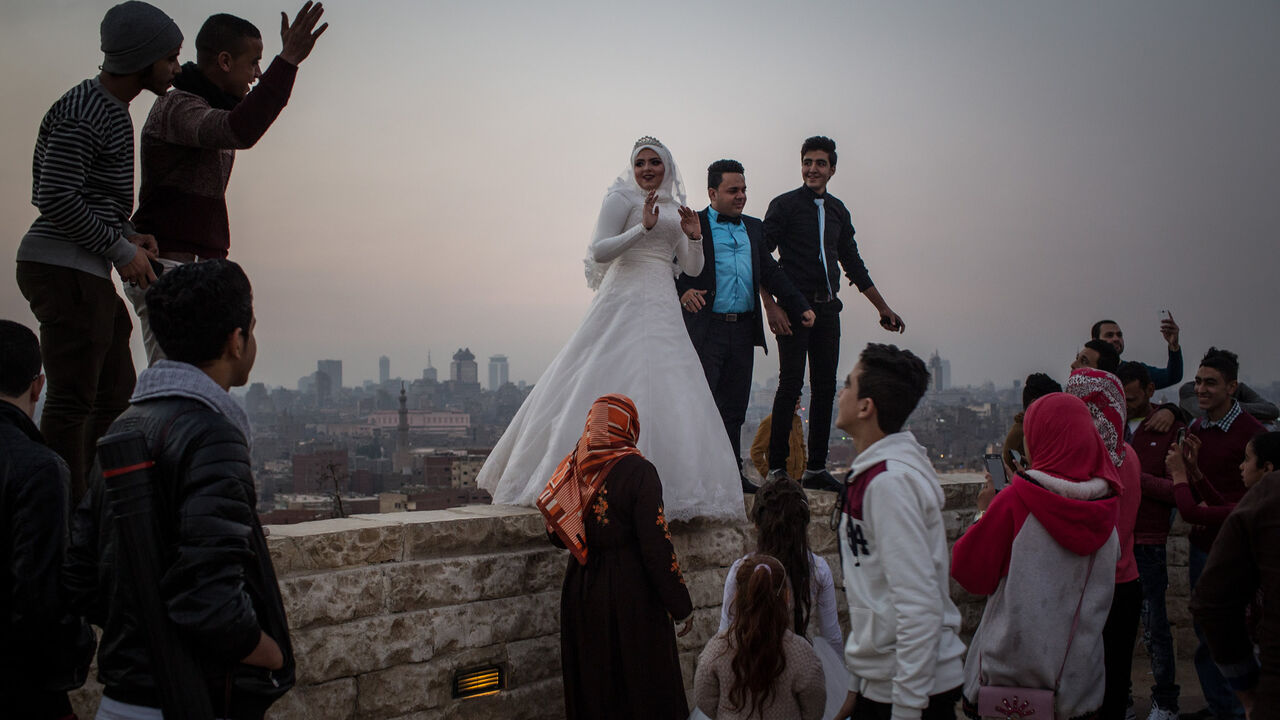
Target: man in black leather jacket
44	652
218	584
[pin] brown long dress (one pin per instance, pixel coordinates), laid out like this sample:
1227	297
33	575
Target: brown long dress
617	641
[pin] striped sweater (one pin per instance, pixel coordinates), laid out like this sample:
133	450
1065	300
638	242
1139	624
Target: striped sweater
82	183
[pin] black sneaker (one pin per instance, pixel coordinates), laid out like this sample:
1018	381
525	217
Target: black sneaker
820	480
748	487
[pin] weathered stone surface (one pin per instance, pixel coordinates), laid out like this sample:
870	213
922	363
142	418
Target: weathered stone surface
360	646
286	558
1177	552
328	701
486	622
469	533
419	585
533	660
333	544
334	597
85	699
706	587
960	490
706	621
709	546
1179	586
401	690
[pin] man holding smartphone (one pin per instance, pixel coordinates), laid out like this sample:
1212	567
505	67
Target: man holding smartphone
813	234
1164	377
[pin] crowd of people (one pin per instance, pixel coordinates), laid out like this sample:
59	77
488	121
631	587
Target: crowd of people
132	507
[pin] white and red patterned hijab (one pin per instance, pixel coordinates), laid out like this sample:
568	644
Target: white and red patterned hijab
1104	395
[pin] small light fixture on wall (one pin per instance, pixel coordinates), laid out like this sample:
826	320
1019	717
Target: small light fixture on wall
479	682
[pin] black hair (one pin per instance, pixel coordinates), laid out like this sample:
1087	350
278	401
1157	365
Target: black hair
717	169
895	380
820	142
1095	332
781	516
1108	358
19	358
194	308
1037	386
223	32
1266	448
1133	372
1224	361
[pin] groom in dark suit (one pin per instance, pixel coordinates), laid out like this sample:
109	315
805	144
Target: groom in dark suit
722	304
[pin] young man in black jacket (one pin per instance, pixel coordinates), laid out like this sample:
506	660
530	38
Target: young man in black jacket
813	234
45	652
219	586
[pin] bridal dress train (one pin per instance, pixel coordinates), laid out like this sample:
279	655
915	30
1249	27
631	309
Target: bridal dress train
632	341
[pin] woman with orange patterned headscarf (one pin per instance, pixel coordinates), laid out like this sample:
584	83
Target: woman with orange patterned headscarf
623	586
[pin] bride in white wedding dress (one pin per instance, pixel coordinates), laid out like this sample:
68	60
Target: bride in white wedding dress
632	341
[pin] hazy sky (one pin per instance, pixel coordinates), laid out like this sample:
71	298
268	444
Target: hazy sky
1016	170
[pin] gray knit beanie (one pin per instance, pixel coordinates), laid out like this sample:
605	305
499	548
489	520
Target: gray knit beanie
135	35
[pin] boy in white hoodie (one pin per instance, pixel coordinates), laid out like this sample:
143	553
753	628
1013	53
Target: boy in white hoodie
904	655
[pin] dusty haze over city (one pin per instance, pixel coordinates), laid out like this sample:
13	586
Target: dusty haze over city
1015	170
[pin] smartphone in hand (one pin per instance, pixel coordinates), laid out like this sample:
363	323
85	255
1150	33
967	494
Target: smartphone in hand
1019	462
995	466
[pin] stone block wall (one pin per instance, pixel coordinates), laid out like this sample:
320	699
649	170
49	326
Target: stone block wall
385	609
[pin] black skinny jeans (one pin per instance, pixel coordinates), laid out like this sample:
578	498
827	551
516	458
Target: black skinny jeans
820	346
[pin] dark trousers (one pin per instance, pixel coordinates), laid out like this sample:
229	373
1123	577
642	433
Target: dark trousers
820	346
1118	637
727	356
941	707
1217	692
1153	573
84	345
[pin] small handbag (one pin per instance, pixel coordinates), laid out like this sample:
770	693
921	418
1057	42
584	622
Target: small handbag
1019	703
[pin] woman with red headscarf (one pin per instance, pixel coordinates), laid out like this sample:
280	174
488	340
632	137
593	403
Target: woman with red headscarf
1045	552
623	586
1103	394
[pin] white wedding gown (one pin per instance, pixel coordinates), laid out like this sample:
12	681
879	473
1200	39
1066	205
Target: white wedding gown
632	341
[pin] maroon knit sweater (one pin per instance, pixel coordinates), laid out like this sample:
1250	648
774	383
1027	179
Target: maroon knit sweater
1155	513
188	148
1220	456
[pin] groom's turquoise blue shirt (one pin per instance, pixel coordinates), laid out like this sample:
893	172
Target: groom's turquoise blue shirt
733	266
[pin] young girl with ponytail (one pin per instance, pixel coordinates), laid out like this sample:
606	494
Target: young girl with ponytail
758	669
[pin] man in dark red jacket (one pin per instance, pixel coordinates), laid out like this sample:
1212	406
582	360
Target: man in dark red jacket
1224	431
1151	533
190	139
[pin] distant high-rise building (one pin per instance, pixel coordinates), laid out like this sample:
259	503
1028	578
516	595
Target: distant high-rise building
940	372
384	370
497	372
429	374
464	370
332	368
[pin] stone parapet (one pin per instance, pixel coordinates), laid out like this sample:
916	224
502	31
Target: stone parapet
385	609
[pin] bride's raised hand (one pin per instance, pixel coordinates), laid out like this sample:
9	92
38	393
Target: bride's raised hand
650	216
690	224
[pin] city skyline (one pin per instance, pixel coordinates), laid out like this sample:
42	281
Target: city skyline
1016	172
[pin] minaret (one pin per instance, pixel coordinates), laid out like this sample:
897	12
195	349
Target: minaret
400	464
